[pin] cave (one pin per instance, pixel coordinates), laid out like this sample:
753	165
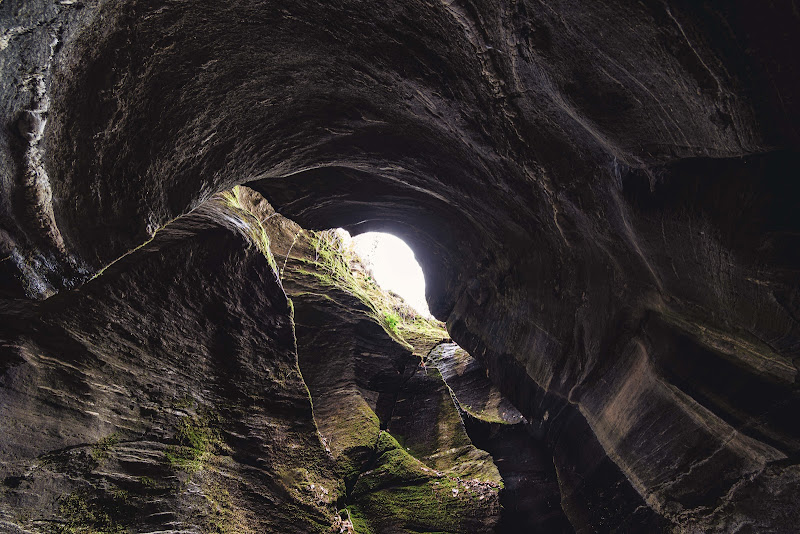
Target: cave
391	262
603	198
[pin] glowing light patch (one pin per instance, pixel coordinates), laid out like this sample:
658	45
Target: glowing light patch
394	267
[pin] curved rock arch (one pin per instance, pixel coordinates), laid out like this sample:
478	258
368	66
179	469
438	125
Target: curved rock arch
574	184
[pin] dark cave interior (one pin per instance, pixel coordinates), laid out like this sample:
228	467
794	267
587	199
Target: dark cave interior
603	197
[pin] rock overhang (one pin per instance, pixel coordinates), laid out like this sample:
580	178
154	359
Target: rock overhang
563	174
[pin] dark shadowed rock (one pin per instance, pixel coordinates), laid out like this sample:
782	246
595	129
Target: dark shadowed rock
163	395
603	198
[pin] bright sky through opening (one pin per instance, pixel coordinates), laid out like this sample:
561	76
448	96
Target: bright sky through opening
394	267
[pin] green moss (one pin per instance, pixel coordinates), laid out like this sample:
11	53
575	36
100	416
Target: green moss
256	232
223	517
394	464
351	435
401	493
103	447
333	267
418	507
450	431
357	425
184	403
422	333
195	440
82	515
391	320
487	416
361	523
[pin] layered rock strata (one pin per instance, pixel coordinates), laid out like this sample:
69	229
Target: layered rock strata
163	395
144	402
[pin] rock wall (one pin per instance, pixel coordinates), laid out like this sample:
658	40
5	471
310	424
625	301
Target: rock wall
164	394
401	447
603	198
143	401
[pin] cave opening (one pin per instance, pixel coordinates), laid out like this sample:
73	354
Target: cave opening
603	202
393	266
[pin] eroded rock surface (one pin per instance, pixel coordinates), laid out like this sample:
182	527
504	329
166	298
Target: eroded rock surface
603	198
163	395
389	420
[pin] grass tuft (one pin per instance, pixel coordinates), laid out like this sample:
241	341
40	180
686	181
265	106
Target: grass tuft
103	448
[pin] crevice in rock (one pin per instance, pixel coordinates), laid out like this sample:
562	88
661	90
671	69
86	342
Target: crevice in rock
530	498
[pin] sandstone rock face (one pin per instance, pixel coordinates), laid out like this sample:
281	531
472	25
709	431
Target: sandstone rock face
603	198
163	395
148	402
389	420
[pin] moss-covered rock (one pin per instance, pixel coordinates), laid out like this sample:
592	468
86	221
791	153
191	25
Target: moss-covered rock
389	420
150	402
401	494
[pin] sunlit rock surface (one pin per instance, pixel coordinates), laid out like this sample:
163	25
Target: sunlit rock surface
389	420
603	198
